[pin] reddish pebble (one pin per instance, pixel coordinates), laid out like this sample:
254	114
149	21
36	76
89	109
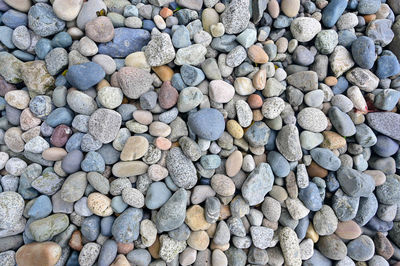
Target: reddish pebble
168	95
255	101
162	143
125	248
75	241
60	135
166	12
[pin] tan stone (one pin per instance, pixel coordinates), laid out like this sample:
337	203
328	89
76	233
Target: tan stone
127	169
377	175
234	163
43	254
198	240
260	79
165	73
99	204
333	140
195	218
20	5
120	260
54	154
312	234
234	129
257	54
134	149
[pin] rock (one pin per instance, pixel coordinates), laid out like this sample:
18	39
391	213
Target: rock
207	123
342	122
99	204
46	228
43	21
46	253
389	192
304	80
189	98
310	197
172	213
332	247
325	221
74	187
191	55
89	254
288	143
345	206
368	7
361	248
125	42
304	29
332	12
160	50
100	29
363	78
340	60
223	185
363	52
379	31
10	68
384	123
290	246
355	183
221	91
134	82
104	124
125	228
366	210
258	184
170	248
272	107
181	169
236	16
11	208
36	77
67	10
325	158
312	119
85	75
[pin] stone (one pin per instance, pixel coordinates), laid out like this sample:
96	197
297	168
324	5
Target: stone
288	143
46	253
100	29
46	228
11	207
332	12
290	246
236	16
125	42
36	77
340	60
361	248
304	29
181	169
172	214
43	21
208	123
363	52
104	124
125	228
160	50
363	78
258	184
223	185
325	221
67	10
134	82
332	247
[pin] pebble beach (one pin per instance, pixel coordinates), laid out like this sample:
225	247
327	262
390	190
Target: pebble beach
199	132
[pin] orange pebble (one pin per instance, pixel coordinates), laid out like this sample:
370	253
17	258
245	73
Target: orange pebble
163	143
166	12
369	18
330	81
125	248
75	241
165	73
255	101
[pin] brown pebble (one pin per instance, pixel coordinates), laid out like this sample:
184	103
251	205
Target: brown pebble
383	246
75	241
224	212
168	95
257	54
125	248
348	230
43	254
369	18
257	115
333	140
234	163
260	79
255	101
314	170
60	135
166	12
330	81
155	249
165	73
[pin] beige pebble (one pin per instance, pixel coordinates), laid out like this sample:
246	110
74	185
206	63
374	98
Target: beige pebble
195	218
159	129
157	172
44	254
234	163
198	240
138	60
99	204
143	117
135	147
13	139
127	169
54	154
17	98
223	185
27	120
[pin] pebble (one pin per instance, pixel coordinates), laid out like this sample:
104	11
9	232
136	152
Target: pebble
46	253
305	29
361	248
290	246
